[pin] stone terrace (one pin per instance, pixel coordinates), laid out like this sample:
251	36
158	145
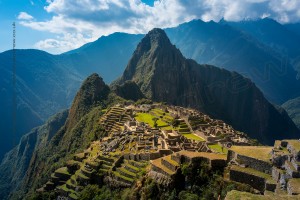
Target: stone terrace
164	169
275	169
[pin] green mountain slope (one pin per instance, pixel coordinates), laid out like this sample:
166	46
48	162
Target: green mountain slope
74	135
293	109
15	163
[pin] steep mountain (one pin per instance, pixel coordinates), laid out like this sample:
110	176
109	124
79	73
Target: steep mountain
164	75
47	83
72	135
44	86
16	162
225	46
92	91
292	107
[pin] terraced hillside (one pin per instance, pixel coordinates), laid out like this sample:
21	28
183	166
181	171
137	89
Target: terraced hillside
163	144
140	140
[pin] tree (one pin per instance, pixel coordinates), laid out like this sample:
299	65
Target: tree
155	119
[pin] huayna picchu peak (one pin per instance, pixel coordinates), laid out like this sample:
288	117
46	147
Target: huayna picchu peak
167	129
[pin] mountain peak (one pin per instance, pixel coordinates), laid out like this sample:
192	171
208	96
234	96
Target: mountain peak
155	48
154	39
92	91
158	35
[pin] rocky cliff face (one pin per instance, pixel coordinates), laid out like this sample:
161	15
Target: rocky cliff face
15	163
129	91
164	75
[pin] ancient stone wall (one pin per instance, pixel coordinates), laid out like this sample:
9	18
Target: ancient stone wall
168	165
254	181
270	186
159	170
118	162
145	156
256	164
176	157
154	155
231	155
275	174
279	160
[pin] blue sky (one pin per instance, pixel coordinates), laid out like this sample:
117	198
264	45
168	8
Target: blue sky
57	26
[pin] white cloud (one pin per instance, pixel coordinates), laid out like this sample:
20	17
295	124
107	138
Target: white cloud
24	16
65	43
81	21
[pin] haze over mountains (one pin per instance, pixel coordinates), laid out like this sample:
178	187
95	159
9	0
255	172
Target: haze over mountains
47	83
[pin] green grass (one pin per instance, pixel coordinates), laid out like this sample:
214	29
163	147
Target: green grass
193	137
73	195
258	152
158	111
81	175
147	118
132	167
127	172
123	177
64	188
63	170
69	183
218	148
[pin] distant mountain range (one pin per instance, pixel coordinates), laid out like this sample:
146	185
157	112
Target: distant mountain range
46	83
